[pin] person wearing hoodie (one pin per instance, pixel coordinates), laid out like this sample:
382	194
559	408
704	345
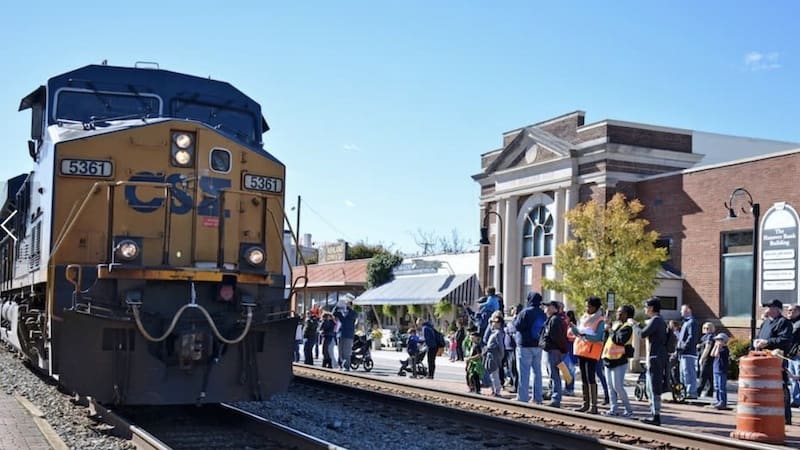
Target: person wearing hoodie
429	336
528	325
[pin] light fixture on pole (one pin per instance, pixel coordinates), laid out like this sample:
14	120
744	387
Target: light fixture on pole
297	247
499	248
755	210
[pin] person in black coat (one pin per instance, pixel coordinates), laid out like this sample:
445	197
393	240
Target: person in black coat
656	334
776	334
554	341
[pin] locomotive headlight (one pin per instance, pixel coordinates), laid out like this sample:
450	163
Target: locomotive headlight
127	250
254	256
183	148
183	140
183	157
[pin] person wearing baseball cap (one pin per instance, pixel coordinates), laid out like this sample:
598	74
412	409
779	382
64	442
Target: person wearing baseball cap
721	355
776	334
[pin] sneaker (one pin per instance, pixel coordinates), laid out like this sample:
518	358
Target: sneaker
722	407
627	414
554	405
610	413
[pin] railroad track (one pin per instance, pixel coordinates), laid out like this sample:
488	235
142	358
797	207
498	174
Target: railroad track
210	426
563	429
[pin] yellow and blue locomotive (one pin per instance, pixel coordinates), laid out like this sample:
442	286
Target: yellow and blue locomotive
143	258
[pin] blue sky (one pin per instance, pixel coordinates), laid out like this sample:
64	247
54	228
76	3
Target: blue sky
381	110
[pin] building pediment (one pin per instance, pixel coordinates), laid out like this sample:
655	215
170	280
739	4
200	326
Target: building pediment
531	146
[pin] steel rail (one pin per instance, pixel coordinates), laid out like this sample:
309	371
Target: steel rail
608	427
142	439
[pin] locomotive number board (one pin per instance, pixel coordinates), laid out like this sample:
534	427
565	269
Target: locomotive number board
262	183
86	168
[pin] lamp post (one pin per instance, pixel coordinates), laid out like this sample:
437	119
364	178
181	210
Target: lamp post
485	241
755	210
297	234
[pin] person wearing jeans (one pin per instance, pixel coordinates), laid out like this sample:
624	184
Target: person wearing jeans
617	349
554	341
688	339
528	325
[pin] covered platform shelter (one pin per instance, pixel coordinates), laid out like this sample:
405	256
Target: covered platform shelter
457	289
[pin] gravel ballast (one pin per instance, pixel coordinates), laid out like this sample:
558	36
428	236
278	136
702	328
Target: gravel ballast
70	421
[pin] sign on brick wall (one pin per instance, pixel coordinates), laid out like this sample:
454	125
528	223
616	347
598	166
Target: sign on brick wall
779	254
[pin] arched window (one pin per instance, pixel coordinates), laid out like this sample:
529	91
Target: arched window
537	234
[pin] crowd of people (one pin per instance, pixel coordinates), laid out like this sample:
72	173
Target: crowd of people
332	333
541	340
538	337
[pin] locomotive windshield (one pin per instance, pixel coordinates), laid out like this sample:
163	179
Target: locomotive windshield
85	106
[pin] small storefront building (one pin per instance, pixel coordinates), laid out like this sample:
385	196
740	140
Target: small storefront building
432	288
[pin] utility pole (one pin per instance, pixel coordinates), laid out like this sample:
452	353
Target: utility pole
297	230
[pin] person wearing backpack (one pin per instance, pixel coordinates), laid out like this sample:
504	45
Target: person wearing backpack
528	325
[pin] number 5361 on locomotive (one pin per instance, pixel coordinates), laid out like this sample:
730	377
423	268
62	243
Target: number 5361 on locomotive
144	262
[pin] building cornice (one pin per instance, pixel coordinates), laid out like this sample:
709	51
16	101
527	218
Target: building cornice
641	126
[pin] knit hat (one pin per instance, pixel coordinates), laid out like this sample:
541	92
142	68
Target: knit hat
721	337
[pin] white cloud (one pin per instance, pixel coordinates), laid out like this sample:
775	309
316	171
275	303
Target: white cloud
349	204
756	61
350	148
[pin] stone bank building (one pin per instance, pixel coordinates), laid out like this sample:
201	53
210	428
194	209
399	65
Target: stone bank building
683	177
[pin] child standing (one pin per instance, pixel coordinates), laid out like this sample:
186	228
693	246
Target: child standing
413	350
474	364
721	356
453	344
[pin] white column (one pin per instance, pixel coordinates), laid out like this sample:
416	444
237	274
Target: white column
570	196
558	225
511	249
571	200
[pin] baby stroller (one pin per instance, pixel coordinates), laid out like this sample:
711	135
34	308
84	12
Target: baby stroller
361	354
672	380
418	362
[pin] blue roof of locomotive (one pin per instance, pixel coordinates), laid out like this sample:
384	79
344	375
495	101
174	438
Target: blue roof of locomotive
170	86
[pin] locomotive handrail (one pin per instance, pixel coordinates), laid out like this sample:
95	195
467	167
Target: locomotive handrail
177	317
72	219
293	285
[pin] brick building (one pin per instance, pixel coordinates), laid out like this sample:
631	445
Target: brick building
683	177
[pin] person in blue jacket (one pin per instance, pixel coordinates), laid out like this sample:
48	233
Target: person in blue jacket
528	325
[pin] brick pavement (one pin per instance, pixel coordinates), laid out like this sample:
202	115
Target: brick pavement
18	430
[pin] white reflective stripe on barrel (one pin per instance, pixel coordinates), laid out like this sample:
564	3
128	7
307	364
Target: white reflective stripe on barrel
760	384
748	372
759	410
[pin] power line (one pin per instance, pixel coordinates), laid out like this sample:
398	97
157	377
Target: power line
323	219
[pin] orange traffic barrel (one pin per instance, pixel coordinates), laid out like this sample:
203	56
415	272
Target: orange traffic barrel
759	412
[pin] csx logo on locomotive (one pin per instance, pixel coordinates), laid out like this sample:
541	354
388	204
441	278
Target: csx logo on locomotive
182	200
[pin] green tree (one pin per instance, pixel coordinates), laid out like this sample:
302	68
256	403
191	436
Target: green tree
610	250
379	268
362	250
